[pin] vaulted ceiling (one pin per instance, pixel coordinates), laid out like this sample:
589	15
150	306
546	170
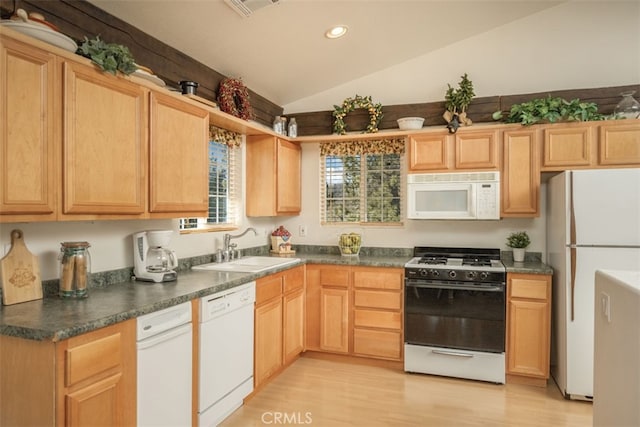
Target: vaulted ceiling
280	50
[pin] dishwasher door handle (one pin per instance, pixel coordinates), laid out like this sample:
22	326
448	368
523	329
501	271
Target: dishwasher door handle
165	336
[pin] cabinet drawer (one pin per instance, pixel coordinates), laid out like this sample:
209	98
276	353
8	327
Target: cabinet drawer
87	360
377	299
528	288
377	319
334	277
386	344
268	288
293	279
377	278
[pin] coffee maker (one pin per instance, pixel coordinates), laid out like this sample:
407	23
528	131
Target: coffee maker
153	262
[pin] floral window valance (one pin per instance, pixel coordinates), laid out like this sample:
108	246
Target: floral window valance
232	139
369	146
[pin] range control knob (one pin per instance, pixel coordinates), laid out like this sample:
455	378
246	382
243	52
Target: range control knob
471	275
423	272
453	274
434	273
484	275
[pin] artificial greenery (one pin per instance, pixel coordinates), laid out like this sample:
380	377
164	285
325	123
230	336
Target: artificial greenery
350	104
551	110
111	57
457	100
518	239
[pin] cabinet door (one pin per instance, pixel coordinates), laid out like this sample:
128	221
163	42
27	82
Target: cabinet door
528	338
429	152
104	143
528	325
567	147
96	382
312	307
96	404
288	194
268	341
293	330
29	140
620	143
334	320
477	150
273	176
521	174
179	162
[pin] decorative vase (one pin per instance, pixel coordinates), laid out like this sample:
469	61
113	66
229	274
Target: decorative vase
628	108
518	254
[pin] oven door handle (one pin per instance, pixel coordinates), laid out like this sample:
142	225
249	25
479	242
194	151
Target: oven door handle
452	353
481	288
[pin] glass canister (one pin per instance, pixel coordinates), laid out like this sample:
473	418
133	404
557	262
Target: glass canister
628	108
75	266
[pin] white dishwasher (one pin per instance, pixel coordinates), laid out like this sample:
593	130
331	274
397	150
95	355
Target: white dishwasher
164	367
226	352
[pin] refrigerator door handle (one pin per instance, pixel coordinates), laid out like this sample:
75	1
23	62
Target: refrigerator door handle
572	237
573	254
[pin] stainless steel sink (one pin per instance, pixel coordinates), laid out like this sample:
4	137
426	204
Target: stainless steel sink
250	264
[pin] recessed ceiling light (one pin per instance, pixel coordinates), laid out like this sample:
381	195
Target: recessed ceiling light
336	32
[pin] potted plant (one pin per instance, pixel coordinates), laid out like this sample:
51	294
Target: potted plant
518	241
456	102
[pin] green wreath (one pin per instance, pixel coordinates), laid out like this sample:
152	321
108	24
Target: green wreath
350	104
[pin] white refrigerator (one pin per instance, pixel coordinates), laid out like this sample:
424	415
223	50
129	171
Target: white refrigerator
593	223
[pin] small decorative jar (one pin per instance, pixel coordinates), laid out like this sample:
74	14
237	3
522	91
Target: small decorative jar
628	108
75	266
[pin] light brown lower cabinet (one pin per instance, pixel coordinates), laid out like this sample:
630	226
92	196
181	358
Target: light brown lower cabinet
528	327
355	310
279	320
87	380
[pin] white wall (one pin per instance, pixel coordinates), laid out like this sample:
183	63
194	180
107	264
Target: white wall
575	45
413	232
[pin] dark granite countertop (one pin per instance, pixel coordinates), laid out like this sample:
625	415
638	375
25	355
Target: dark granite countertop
55	319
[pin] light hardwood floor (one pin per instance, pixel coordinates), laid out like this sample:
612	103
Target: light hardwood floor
335	392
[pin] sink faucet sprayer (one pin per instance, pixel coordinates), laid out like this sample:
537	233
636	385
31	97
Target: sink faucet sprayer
228	251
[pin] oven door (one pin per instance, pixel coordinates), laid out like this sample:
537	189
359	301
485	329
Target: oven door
455	315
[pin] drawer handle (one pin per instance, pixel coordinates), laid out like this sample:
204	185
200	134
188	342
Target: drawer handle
452	353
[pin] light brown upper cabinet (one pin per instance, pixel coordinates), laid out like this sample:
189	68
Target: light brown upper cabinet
273	176
104	144
477	150
178	158
30	137
619	143
443	152
429	152
520	173
78	143
569	146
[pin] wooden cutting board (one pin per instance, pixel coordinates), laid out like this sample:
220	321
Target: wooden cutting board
20	273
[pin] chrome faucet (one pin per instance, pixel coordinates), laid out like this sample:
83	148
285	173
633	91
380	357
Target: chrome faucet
228	246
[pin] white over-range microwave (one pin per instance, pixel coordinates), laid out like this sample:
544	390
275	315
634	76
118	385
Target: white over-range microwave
458	195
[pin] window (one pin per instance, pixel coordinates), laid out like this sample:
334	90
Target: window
222	197
362	182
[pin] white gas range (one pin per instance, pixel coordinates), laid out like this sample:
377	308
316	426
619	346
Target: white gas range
455	313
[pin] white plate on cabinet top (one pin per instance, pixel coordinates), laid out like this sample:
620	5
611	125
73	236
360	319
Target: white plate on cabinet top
42	32
148	76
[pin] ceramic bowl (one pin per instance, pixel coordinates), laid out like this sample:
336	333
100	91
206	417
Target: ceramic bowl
408	123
